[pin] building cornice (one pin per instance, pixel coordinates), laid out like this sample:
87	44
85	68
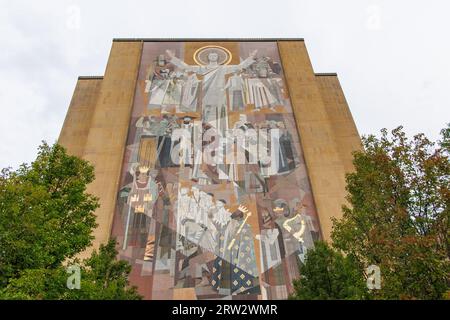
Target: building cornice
329	74
90	78
204	39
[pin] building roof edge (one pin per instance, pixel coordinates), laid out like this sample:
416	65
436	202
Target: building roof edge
90	77
202	39
329	74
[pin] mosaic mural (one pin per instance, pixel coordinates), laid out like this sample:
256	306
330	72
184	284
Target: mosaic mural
214	200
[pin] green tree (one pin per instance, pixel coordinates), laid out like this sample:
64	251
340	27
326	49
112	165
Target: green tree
398	216
46	219
445	142
329	275
102	278
45	214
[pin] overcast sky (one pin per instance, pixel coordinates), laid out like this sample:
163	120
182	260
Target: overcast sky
392	56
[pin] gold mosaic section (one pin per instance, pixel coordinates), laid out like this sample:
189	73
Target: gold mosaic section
191	47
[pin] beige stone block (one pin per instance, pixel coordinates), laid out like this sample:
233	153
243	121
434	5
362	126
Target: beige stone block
321	151
184	294
107	135
78	119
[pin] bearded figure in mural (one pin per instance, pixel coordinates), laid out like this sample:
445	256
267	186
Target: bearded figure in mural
234	269
159	82
213	73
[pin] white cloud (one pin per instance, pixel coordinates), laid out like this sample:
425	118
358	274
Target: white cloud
391	56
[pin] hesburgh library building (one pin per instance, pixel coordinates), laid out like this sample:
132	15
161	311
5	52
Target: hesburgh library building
218	162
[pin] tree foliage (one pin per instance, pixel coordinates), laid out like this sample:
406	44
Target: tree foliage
46	219
102	278
397	218
328	275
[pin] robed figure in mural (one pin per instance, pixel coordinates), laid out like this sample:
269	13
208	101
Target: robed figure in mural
234	269
213	73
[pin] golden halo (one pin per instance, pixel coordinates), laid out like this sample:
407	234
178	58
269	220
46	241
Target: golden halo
200	55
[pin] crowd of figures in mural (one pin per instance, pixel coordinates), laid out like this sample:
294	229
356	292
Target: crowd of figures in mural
193	217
